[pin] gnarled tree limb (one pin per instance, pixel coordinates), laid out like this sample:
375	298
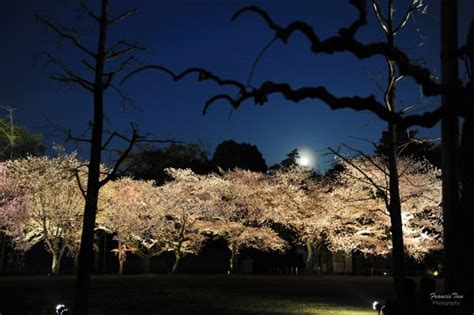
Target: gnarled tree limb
260	96
345	42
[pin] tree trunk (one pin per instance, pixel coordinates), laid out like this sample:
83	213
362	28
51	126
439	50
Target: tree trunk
318	258
177	256
121	264
234	257
90	209
398	263
56	263
450	143
121	256
309	267
394	203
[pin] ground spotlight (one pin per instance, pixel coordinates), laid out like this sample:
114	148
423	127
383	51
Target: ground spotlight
378	307
61	309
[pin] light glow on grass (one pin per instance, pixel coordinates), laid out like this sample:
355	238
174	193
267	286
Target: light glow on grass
209	294
332	310
287	306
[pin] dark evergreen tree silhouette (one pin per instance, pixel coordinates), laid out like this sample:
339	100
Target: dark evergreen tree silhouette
230	154
291	159
408	144
149	162
16	141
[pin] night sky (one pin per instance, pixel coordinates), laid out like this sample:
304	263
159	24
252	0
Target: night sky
180	34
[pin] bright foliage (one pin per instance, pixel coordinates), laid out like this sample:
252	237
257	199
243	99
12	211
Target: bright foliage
359	203
52	204
41	201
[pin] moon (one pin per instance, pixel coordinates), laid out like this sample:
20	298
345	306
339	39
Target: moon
303	161
306	158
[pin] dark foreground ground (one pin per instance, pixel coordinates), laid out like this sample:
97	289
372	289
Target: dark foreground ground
199	294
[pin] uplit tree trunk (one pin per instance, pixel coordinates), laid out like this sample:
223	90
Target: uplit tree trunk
57	257
57	252
121	264
450	143
234	258
318	258
121	252
55	264
310	261
178	253
177	259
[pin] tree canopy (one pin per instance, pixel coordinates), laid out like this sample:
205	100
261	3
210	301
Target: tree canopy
149	162
51	208
230	155
24	142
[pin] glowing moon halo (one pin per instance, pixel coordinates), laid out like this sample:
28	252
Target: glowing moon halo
303	161
306	157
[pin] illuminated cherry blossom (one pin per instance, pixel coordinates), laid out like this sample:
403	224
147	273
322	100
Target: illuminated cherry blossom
359	203
53	205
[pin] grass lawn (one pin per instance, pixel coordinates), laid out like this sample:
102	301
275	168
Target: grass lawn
199	294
